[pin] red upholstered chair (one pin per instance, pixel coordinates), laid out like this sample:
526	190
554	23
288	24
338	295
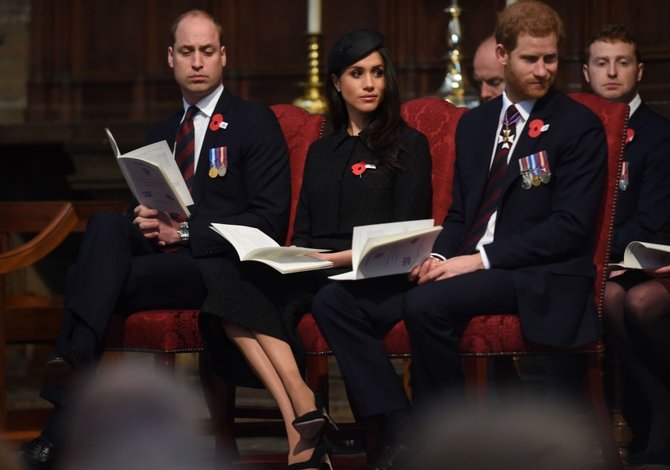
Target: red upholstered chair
500	335
168	332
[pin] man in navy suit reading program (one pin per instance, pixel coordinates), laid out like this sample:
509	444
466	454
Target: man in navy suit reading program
234	160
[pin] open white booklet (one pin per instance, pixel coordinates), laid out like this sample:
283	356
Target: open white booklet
643	255
393	248
253	245
154	177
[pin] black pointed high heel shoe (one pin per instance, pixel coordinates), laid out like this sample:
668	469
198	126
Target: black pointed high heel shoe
320	460
312	423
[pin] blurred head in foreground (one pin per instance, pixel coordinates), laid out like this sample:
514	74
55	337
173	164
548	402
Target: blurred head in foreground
131	417
519	436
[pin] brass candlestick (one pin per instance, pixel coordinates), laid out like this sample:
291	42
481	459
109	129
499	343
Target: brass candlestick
455	87
312	100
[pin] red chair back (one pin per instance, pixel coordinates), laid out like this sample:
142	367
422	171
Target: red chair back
300	130
437	119
614	117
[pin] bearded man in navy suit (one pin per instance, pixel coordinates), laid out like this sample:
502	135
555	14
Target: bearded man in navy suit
528	179
238	172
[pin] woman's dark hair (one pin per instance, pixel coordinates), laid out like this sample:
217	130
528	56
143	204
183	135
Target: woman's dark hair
384	125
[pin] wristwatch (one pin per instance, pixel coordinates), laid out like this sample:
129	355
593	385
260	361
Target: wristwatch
184	233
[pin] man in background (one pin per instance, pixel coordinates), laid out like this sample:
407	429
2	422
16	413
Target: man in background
636	303
488	72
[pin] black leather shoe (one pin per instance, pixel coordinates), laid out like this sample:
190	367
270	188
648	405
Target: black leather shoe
311	424
62	371
59	373
38	454
391	458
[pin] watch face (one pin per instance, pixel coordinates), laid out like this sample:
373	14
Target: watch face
183	231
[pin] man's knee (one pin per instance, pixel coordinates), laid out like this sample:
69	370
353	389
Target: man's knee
417	309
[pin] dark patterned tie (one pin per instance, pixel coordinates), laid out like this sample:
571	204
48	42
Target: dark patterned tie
493	190
185	147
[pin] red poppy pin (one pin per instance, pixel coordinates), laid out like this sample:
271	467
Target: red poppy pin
630	135
359	168
536	127
217	122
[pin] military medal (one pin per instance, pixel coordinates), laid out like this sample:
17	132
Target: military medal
218	161
624	180
507	137
213	171
534	170
507	134
545	172
526	182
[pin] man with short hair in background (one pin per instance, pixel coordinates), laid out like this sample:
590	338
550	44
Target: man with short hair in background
488	72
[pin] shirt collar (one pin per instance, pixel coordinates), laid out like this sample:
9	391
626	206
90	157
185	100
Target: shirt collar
342	135
208	103
523	107
634	104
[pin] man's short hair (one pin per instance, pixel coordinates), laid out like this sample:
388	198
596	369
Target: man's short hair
530	17
195	12
613	33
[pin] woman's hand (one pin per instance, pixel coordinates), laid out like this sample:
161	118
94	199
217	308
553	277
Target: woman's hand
661	272
340	259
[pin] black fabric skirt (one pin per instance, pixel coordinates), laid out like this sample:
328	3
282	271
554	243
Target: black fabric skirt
255	296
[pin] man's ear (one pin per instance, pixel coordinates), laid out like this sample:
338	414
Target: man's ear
223	56
640	71
585	71
170	57
501	54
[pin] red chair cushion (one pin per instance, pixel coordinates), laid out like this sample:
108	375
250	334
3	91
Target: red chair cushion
501	334
313	341
155	331
396	341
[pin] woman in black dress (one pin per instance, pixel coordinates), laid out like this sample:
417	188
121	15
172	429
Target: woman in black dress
372	169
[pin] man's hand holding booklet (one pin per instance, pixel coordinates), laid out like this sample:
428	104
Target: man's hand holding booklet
154	178
377	250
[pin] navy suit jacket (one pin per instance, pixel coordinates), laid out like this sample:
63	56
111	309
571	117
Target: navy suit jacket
543	235
255	190
643	209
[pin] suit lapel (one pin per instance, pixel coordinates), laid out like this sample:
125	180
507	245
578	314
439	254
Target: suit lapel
484	148
212	139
